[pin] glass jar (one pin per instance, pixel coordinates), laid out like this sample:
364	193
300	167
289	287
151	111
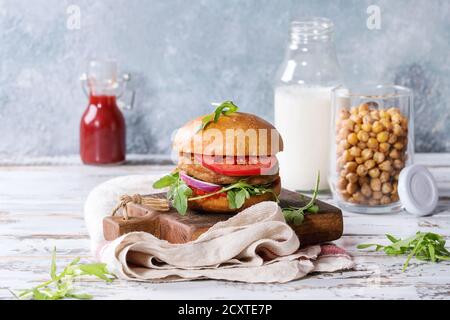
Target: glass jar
373	141
102	126
303	103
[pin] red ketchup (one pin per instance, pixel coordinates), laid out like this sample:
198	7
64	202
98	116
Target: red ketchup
102	127
102	132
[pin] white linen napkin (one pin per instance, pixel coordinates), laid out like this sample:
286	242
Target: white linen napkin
255	246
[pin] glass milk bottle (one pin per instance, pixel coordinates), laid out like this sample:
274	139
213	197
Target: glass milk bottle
303	103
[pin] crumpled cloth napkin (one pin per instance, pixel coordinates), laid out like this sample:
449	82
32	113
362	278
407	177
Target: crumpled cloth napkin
255	246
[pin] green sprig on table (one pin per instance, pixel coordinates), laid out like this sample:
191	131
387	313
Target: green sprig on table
61	286
296	215
424	246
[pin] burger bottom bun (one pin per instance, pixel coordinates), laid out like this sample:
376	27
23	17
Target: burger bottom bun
220	205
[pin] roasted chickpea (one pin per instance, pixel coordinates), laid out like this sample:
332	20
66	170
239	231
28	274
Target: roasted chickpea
396	118
374	173
374	115
359	197
359	160
385	200
367	127
355	151
384	114
364	107
383	136
372	143
377	127
378	157
357	119
392	138
375	184
348	124
367	154
369	164
352	138
363	136
363	180
361	145
366	190
350	166
398	146
346	155
341	183
385	165
398	164
386	124
351	188
384	147
394	154
376	195
374	202
361	170
352	177
398	130
386	188
384	176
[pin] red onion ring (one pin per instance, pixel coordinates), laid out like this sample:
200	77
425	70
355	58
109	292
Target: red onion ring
198	184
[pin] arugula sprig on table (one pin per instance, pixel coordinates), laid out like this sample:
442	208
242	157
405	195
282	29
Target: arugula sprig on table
180	194
297	215
225	108
425	246
61	286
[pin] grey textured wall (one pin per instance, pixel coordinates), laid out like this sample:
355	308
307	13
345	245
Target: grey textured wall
185	54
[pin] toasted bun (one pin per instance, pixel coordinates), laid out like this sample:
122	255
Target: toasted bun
220	205
252	136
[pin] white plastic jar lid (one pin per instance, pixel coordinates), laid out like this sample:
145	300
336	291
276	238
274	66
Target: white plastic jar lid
417	190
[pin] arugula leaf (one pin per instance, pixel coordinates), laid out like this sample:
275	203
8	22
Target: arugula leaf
241	196
180	194
60	286
231	196
225	108
422	246
166	181
297	215
96	269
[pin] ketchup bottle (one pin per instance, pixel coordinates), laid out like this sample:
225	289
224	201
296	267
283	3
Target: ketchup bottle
102	127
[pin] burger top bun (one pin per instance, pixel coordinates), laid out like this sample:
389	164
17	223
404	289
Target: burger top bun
237	134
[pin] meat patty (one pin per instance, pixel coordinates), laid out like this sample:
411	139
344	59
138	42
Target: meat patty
199	172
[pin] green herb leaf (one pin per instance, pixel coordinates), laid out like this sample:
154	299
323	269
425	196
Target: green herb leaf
241	196
225	108
60	286
166	181
181	193
231	196
422	246
297	215
96	269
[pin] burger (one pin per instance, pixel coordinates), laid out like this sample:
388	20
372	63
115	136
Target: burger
226	162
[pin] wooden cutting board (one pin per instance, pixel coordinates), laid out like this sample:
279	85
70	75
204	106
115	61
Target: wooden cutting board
324	226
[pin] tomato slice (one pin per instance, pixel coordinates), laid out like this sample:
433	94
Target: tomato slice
240	166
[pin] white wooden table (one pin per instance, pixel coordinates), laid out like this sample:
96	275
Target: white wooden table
41	206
